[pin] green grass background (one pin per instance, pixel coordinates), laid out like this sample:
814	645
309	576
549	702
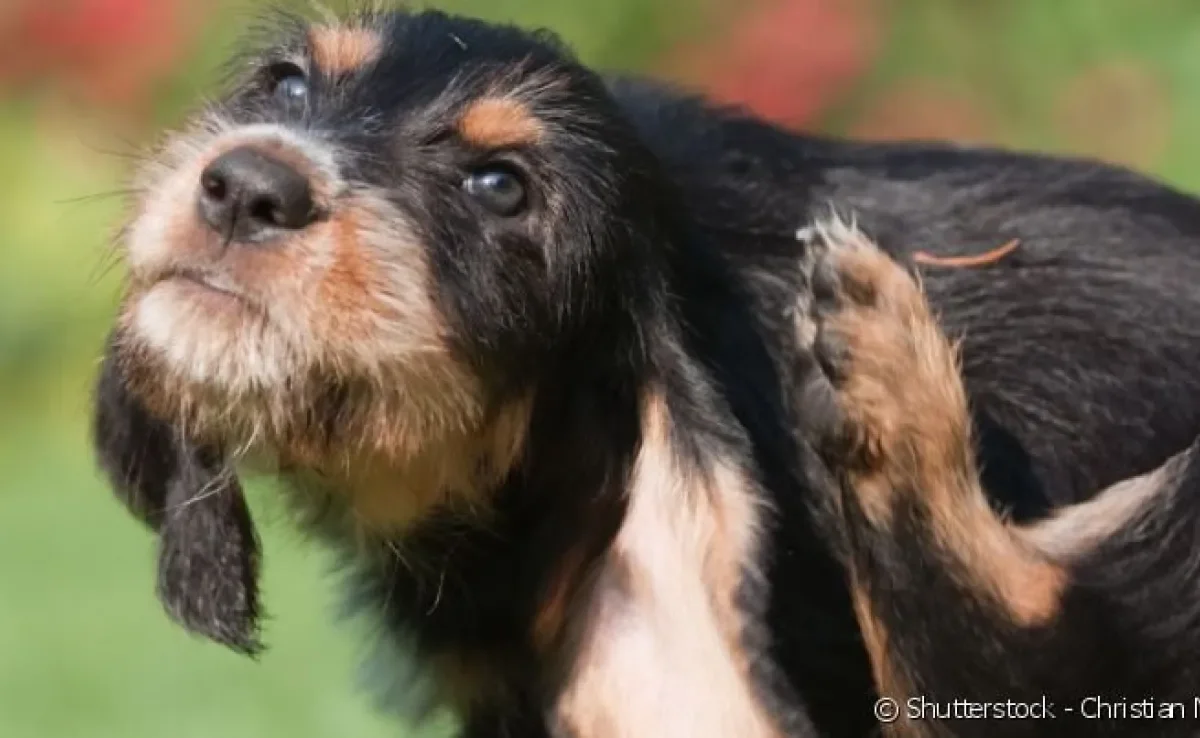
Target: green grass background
85	651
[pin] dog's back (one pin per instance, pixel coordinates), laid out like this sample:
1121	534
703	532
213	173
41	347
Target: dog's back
1069	280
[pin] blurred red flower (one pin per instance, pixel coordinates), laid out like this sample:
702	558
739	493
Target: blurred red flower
105	51
788	60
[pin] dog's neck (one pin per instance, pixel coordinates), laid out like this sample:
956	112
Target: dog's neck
364	494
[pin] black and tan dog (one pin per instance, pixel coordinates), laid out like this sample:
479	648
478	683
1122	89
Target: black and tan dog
521	342
1085	622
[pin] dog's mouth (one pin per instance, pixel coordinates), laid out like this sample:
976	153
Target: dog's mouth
204	280
206	285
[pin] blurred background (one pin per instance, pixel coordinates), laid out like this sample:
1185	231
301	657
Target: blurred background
84	648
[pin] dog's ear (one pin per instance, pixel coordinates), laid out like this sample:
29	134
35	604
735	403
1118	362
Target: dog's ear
208	550
208	557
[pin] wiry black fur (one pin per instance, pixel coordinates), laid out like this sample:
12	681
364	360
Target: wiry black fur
673	257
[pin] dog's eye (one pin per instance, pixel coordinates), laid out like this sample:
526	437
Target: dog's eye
289	84
498	188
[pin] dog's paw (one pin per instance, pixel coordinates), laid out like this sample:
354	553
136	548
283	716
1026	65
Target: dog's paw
882	400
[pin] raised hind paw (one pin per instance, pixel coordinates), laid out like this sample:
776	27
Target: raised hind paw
882	400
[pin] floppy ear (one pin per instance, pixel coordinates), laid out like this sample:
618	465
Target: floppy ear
208	555
208	550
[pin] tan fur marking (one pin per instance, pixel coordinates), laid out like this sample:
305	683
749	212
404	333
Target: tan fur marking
353	282
499	122
908	430
387	496
659	652
341	50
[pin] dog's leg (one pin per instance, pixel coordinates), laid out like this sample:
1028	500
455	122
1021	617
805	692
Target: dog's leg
657	644
972	623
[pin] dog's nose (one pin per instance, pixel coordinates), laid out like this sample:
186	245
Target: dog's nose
248	197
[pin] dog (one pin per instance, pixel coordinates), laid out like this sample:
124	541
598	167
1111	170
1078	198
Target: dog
976	625
521	342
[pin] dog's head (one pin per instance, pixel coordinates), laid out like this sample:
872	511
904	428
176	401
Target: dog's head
363	259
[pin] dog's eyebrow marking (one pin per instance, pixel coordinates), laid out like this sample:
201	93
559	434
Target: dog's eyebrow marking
340	50
496	122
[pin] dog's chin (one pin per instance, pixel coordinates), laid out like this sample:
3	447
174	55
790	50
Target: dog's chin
209	336
242	374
